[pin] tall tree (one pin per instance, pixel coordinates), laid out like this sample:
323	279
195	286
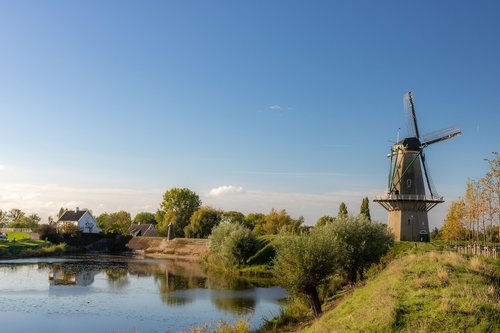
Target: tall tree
343	213
453	228
277	221
178	205
15	215
145	218
61	211
4	218
365	209
202	222
115	223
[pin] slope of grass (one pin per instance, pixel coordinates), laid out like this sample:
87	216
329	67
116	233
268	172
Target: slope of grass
29	248
422	292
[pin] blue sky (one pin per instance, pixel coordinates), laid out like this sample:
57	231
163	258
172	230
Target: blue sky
288	104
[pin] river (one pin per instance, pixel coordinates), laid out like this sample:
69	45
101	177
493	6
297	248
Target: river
125	294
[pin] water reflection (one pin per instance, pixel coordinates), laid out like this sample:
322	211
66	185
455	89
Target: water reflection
178	284
59	277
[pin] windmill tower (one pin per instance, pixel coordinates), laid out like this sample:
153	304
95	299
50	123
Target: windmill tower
411	193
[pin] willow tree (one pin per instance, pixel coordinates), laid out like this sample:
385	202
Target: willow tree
304	262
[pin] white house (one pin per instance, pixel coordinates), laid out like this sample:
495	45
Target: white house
82	219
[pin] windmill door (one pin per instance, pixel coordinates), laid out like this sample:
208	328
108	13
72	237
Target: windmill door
424	236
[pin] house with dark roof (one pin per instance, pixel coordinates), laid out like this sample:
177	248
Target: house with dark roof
81	219
144	230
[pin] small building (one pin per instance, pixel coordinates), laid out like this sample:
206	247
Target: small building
144	230
81	219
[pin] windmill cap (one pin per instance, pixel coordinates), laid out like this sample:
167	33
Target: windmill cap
410	143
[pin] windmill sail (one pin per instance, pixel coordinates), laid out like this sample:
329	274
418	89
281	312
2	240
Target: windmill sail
440	135
411	117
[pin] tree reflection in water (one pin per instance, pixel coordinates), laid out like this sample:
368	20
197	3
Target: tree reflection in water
117	277
235	305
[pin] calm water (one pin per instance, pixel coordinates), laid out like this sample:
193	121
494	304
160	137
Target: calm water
120	294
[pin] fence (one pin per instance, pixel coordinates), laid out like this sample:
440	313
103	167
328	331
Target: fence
7	230
478	250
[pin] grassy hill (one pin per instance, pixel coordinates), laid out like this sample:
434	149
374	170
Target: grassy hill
422	292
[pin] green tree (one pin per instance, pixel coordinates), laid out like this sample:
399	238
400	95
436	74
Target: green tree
276	222
178	205
453	226
360	243
343	213
255	221
4	218
16	215
365	209
304	262
61	211
324	220
115	223
233	217
145	218
202	222
232	243
29	222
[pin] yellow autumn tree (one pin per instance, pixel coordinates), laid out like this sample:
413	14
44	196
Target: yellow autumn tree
453	227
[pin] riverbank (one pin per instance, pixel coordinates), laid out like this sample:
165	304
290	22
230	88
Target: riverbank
191	249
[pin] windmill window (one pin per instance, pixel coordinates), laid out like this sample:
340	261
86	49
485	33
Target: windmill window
408	183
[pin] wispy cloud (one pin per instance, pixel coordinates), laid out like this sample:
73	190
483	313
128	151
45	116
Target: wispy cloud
276	107
225	190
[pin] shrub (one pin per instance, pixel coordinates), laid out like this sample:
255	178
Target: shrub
233	243
49	232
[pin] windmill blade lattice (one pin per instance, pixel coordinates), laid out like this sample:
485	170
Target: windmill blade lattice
411	117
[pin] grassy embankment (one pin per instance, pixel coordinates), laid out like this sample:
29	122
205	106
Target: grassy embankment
24	247
422	290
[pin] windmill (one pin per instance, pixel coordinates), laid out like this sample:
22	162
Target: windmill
411	193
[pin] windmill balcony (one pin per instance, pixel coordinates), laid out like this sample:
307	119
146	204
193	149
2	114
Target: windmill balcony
408	197
419	202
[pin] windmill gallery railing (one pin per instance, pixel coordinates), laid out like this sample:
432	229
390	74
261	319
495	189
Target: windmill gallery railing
412	197
395	202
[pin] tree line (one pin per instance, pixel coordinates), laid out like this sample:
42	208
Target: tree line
475	217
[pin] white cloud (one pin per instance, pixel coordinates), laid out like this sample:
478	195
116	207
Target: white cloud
2	167
225	189
276	107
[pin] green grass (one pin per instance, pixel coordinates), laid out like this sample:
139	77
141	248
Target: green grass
421	292
18	236
24	247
